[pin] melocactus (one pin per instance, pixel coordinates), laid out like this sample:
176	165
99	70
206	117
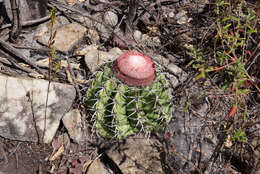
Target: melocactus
128	96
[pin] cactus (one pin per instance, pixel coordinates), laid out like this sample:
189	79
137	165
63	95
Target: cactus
123	102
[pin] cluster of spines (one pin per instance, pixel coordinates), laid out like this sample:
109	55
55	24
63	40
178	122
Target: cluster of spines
120	110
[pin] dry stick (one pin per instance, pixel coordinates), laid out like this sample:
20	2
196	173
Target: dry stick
20	55
3	152
16	26
10	62
133	5
30	22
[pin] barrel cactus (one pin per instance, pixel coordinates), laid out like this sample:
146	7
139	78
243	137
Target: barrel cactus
128	96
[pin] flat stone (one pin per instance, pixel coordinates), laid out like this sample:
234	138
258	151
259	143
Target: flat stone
66	38
137	35
182	17
95	58
138	155
93	36
97	167
23	113
72	122
160	59
111	18
182	75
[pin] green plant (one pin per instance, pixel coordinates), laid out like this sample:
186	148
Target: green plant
239	136
53	66
235	25
198	62
128	96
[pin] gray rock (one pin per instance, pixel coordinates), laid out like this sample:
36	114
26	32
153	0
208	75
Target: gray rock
188	141
94	58
111	18
182	18
22	108
66	38
93	36
105	33
114	53
182	75
97	167
160	59
180	14
171	14
72	122
138	155
137	35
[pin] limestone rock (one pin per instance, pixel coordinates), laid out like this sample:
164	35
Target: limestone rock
111	18
66	38
22	108
72	122
182	75
138	155
97	167
94	58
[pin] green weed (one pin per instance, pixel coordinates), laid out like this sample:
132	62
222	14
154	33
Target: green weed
239	136
235	25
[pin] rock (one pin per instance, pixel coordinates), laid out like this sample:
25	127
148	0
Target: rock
114	53
72	122
66	38
189	142
22	108
85	49
156	40
137	35
97	167
160	59
182	75
182	18
93	36
201	5
171	14
138	155
174	81
94	58
111	18
105	33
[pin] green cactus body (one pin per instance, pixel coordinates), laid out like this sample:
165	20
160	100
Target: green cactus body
119	110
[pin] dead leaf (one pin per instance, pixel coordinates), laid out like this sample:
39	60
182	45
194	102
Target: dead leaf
86	165
69	76
36	75
57	154
63	63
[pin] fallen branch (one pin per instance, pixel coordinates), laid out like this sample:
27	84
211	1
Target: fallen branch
15	52
30	22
